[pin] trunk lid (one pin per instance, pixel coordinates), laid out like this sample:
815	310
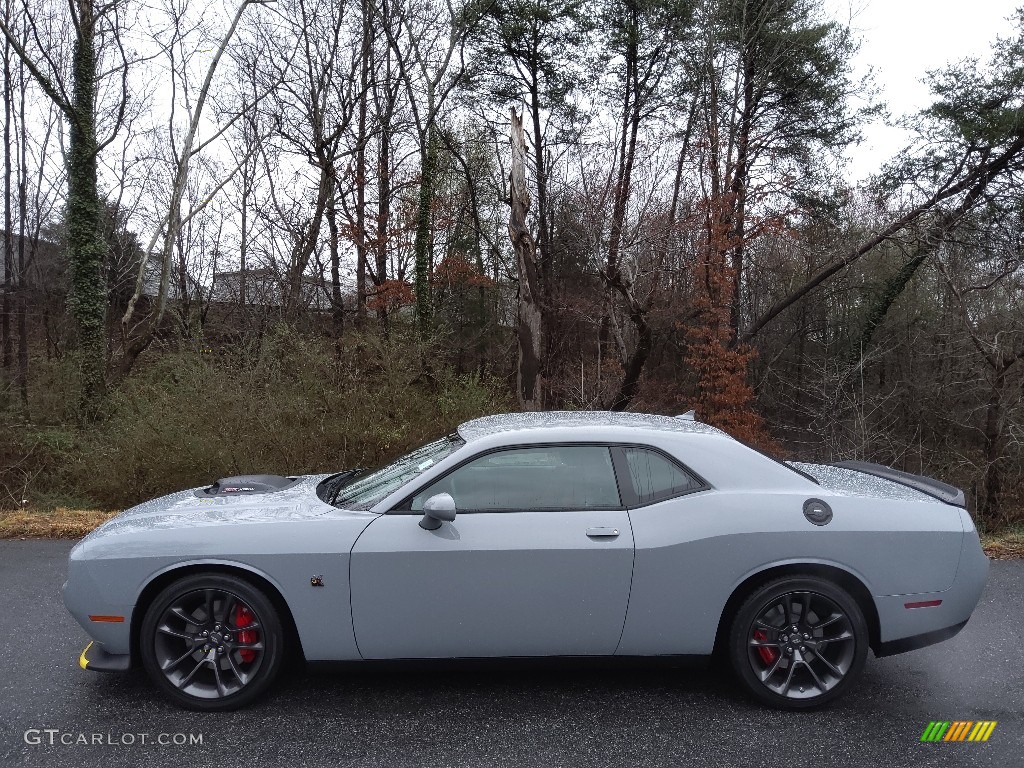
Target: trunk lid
861	478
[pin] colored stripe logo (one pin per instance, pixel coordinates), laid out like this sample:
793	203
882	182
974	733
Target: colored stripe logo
958	730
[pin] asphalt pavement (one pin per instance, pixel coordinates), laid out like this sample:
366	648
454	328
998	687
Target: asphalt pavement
52	713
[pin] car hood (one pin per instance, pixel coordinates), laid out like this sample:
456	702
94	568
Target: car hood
190	508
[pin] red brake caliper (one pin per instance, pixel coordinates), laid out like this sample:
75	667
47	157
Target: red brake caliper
243	618
768	655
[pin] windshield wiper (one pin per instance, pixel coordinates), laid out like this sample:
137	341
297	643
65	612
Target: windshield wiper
338	482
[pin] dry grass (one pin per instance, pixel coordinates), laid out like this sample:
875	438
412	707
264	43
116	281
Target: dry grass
1006	545
59	523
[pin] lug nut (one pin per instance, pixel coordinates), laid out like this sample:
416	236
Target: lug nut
806	636
204	633
802	649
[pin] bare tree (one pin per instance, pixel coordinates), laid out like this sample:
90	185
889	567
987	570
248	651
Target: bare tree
170	224
528	323
428	41
6	308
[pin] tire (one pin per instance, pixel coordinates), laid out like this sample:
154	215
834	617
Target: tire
803	669
237	659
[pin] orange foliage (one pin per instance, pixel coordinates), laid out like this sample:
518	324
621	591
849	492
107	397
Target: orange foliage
725	399
390	296
456	271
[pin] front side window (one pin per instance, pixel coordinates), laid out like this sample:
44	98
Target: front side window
531	479
368	490
655	478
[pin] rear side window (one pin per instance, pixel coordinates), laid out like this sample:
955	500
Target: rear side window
655	478
531	479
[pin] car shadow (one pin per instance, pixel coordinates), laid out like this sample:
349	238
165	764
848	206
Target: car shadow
515	684
464	683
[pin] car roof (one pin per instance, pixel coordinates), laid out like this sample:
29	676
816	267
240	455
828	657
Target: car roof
514	422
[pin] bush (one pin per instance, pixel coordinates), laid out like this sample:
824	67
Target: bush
293	405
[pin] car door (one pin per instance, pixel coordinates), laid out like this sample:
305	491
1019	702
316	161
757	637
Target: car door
536	563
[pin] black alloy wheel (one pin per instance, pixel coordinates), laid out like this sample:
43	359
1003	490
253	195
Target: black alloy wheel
211	642
798	642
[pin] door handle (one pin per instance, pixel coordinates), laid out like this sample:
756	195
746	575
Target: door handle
602	533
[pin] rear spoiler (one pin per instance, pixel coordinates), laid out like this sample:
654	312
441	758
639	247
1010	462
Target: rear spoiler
934	488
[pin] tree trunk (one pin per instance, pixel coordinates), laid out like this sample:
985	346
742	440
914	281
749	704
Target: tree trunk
993	441
86	246
21	377
637	361
337	309
184	295
22	298
243	249
631	116
6	310
383	219
546	281
305	245
361	139
428	168
881	304
627	150
739	189
529	317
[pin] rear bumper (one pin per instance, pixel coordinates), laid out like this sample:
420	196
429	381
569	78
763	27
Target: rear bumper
905	644
96	658
908	622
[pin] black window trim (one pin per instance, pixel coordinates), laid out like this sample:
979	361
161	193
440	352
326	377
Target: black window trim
397	508
628	498
622	468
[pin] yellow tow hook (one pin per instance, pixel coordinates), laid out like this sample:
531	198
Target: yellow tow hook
82	661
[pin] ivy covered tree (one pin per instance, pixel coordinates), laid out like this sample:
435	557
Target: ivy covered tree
75	95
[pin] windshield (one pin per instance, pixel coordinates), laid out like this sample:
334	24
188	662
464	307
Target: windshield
368	490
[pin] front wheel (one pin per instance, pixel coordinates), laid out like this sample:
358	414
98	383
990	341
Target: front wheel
211	642
798	642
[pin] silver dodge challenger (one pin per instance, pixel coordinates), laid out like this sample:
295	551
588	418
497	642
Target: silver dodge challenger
534	535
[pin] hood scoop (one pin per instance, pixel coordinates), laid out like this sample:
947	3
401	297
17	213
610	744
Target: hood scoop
246	485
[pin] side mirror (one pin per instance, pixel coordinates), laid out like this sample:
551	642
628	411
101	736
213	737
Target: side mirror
437	509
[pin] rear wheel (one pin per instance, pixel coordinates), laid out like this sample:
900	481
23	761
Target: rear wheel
211	642
798	642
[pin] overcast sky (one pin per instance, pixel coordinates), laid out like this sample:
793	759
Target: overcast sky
902	40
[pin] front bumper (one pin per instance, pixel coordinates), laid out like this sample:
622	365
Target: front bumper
106	621
96	658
